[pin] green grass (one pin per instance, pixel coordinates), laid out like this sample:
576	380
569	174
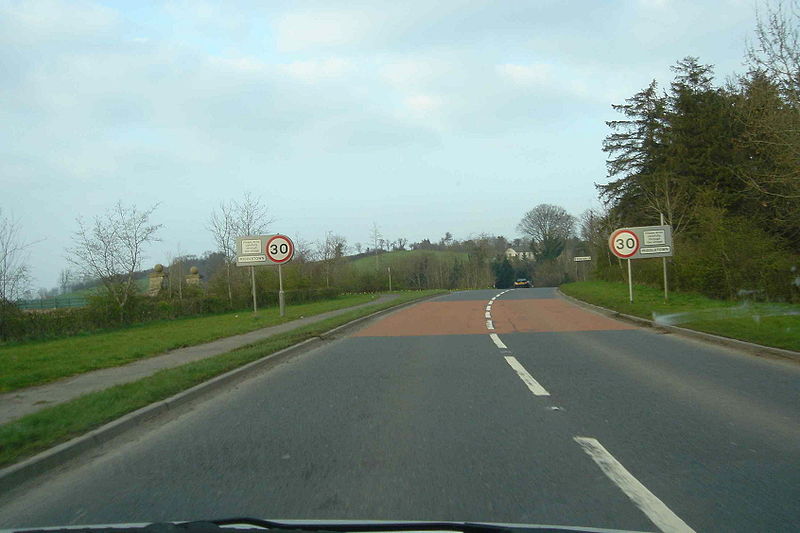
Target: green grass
39	431
770	324
400	257
34	363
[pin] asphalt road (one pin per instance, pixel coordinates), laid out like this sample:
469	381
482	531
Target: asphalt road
561	417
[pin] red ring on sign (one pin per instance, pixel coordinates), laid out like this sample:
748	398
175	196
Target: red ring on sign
614	236
288	256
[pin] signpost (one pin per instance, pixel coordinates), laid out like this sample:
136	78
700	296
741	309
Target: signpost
643	242
581	259
254	250
280	249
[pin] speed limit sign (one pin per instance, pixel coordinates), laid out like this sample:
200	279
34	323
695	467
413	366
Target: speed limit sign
624	243
279	249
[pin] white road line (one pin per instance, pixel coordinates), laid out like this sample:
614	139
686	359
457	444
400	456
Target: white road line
645	500
487	314
489	307
497	342
489	324
532	384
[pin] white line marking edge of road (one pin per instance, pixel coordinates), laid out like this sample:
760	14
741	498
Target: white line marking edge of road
489	324
650	505
532	384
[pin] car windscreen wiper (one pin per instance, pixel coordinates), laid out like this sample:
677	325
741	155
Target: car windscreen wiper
228	525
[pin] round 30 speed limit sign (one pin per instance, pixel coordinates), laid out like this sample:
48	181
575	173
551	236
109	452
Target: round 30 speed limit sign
624	243
280	249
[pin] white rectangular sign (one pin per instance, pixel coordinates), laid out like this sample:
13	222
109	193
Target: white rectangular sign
251	259
252	250
251	246
582	258
656	250
654	237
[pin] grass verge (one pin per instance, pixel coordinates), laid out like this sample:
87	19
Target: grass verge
770	324
39	362
48	427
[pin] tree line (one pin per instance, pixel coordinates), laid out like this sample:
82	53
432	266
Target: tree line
721	163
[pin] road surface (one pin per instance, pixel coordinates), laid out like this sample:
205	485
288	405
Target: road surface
506	406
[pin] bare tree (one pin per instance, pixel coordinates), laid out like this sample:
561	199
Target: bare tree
175	271
777	50
65	280
111	249
14	272
237	219
251	216
773	128
223	228
377	239
330	251
303	250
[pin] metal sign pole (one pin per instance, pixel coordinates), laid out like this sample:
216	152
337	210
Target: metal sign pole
253	284
281	301
390	278
630	282
664	264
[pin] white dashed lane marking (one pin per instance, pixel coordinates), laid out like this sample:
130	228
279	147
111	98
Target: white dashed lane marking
497	342
656	511
645	500
532	384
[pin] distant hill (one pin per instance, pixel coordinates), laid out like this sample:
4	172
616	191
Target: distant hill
400	258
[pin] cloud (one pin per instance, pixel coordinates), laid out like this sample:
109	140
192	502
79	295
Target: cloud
533	74
317	70
37	22
303	30
239	64
423	103
413	73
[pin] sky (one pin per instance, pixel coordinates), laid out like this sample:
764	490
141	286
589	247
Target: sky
421	117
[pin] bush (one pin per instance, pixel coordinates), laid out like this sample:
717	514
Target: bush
550	274
720	256
102	312
726	255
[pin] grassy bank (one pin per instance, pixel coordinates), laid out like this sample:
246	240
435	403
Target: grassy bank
769	324
39	431
398	258
34	363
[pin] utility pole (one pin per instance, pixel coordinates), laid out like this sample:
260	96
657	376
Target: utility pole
253	284
390	278
664	264
630	282
281	299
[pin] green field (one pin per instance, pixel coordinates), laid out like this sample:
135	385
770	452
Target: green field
39	431
38	362
770	324
398	259
77	298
